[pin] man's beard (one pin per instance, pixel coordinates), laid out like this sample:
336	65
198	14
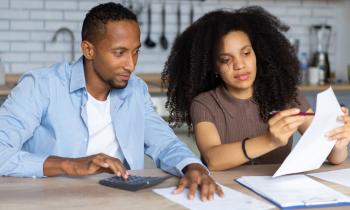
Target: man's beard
115	86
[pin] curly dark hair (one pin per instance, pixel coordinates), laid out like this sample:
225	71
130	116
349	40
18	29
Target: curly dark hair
191	68
97	17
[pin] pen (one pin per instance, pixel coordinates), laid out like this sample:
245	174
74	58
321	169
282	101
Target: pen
300	113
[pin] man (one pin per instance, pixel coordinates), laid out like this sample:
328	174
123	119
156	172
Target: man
94	116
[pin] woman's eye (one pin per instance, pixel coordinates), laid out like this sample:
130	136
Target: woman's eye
224	61
246	53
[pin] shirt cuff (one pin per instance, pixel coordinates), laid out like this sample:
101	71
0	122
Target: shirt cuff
187	161
37	165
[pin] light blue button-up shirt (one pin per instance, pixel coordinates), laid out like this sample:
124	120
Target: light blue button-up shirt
45	114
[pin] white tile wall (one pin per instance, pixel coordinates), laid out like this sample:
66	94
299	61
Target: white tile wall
4	4
24	4
4	24
27	27
46	15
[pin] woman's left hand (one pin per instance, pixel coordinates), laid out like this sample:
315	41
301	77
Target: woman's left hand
341	134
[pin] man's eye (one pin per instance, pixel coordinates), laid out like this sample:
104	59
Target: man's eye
118	53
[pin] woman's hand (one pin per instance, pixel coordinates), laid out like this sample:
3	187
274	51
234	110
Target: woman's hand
283	124
341	134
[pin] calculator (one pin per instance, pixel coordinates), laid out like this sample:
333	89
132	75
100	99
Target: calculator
133	183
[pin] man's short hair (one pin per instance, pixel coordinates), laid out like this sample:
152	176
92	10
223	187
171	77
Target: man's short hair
95	20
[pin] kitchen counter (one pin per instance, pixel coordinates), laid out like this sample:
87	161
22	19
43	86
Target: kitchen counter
11	80
154	85
336	87
153	81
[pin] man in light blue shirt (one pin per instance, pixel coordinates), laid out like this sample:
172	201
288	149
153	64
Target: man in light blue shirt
44	126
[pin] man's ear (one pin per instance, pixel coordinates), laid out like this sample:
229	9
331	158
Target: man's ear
88	49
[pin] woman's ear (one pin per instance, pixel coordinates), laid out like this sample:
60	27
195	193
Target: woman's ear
88	49
217	71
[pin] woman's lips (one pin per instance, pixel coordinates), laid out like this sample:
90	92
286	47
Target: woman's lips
242	77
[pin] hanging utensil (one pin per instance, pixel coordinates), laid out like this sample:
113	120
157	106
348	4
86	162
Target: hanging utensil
163	40
191	13
149	42
178	15
136	7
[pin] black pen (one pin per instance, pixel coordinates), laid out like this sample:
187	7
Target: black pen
300	113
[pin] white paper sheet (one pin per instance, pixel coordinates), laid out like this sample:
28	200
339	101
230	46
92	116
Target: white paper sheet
341	176
232	200
294	191
313	147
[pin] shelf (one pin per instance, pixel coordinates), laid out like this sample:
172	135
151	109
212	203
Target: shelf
154	85
336	87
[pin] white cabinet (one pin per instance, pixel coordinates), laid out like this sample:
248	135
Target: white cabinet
159	105
182	134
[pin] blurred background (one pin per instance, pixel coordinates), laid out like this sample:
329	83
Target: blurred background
27	28
37	33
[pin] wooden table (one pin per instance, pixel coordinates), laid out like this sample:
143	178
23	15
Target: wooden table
85	193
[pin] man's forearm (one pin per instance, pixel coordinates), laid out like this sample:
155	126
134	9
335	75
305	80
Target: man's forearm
55	166
195	166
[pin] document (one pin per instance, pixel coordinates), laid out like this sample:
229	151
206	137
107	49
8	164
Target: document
294	191
337	176
231	201
303	157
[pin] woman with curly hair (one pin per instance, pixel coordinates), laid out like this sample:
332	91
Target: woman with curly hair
225	75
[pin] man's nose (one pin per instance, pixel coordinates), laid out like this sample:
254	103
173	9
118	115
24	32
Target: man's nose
130	64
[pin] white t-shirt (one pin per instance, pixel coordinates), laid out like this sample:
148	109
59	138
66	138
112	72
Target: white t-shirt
102	138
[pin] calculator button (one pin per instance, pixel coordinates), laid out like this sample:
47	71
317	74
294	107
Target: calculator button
133	183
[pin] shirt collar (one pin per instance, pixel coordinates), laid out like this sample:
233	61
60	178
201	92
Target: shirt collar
77	80
230	103
225	95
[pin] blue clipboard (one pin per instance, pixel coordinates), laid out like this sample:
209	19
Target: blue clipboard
312	203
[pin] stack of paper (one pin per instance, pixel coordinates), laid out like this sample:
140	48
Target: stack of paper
341	176
231	201
295	191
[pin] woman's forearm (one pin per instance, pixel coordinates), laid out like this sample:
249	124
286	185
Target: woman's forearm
338	155
225	156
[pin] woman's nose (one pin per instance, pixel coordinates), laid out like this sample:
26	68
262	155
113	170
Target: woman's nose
238	64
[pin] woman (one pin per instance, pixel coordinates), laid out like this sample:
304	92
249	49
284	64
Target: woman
226	74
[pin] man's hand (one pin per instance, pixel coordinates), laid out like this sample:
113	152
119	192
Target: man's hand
93	164
196	176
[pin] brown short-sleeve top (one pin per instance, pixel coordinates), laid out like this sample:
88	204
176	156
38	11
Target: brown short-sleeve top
237	119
